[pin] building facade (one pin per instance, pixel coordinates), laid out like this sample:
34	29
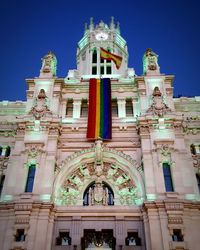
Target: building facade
138	190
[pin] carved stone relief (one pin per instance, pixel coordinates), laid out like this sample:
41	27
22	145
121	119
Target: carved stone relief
40	109
158	107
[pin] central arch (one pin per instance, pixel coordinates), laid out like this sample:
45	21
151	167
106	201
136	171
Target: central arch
121	173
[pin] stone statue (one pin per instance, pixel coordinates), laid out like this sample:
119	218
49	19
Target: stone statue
98	195
150	61
49	64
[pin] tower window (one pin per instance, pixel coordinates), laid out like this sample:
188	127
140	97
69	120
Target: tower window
94	56
30	179
167	178
108	69
102	70
94	70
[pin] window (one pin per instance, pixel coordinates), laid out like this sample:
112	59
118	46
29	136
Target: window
167	178
114	108
30	179
177	235
1	149
108	69
7	153
86	195
2	179
102	70
192	149
20	236
69	110
94	62
63	239
198	181
94	56
129	107
195	149
133	239
94	70
84	108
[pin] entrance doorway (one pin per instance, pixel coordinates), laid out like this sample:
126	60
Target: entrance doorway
98	240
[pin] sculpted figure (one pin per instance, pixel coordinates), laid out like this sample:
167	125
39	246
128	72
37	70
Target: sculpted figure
49	64
98	195
150	61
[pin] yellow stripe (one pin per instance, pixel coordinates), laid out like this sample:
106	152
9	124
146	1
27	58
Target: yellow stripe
97	109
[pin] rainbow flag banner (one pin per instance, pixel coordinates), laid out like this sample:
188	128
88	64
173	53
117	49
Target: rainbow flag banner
99	114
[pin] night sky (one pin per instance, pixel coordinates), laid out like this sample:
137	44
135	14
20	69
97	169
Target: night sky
31	28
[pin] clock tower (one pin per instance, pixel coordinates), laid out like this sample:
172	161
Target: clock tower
89	63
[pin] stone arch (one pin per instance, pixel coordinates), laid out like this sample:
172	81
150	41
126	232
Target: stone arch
120	171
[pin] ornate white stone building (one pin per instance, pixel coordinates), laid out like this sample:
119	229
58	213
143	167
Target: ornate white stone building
139	190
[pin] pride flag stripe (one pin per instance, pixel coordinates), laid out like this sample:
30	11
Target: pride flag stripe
99	115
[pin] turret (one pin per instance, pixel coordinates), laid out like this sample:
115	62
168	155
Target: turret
89	63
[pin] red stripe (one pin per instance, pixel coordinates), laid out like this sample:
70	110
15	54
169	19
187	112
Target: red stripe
92	109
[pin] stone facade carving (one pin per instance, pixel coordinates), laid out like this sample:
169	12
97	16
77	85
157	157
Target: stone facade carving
158	107
40	108
33	151
98	195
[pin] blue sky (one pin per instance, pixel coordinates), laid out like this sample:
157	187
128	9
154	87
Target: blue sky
31	28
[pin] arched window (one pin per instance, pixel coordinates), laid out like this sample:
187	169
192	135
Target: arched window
94	62
30	178
94	56
198	181
86	196
167	178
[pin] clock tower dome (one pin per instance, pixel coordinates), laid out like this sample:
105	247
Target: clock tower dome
89	63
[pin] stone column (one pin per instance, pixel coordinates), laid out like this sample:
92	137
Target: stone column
121	108
136	111
76	108
76	232
120	233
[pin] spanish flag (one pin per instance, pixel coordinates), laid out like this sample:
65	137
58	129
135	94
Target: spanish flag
104	54
99	113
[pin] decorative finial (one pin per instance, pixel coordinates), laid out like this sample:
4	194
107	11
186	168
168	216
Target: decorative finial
118	27
85	27
112	24
49	64
91	23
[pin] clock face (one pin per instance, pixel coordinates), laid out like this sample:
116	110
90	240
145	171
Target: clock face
101	36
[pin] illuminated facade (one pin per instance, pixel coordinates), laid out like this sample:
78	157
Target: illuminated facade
139	190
